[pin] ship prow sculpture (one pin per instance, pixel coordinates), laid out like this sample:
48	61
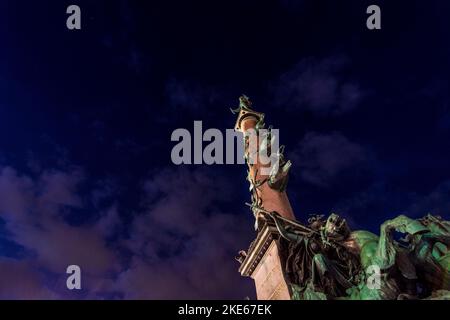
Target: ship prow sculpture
323	258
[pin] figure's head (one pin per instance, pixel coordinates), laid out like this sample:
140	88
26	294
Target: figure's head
336	227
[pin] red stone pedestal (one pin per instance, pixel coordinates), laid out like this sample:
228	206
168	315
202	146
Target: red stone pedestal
264	266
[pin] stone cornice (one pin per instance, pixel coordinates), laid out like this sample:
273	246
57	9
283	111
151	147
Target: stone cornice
258	249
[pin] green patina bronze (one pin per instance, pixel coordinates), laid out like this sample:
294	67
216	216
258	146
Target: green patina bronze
326	260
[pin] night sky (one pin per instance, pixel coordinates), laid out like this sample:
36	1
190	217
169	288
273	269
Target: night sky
86	119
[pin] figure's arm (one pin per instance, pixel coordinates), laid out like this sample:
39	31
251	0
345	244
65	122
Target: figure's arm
282	229
386	250
404	224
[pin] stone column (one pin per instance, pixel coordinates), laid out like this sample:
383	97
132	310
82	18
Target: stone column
262	262
271	194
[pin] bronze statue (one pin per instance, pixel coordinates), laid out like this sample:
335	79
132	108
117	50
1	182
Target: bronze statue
327	260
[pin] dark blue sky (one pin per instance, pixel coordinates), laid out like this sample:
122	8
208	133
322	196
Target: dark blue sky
86	118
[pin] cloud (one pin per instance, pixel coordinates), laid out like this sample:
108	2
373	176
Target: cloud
33	213
187	95
382	200
444	119
20	281
183	245
324	158
318	86
179	246
110	222
436	202
15	194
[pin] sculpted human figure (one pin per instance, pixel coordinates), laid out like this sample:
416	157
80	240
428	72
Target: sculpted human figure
328	261
317	270
372	251
428	242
